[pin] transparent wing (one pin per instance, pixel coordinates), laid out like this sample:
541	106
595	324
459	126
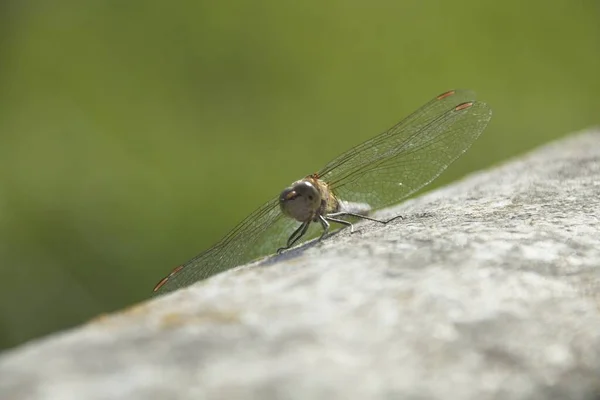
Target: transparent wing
256	236
408	156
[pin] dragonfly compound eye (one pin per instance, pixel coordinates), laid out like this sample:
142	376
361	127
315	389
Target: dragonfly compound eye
300	201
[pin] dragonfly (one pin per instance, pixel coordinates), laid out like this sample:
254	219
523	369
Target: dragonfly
377	173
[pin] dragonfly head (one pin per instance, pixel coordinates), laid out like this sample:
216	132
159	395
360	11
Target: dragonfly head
300	201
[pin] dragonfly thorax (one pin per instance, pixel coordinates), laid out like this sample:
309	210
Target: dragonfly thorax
306	199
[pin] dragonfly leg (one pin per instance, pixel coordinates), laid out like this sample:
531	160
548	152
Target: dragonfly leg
325	226
294	237
341	221
341	214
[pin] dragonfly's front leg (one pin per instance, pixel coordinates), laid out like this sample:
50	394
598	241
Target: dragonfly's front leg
294	237
340	221
325	226
342	213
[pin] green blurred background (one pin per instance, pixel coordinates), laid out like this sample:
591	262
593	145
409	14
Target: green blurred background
135	134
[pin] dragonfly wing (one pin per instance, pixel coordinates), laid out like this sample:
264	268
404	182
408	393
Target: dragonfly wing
258	235
408	156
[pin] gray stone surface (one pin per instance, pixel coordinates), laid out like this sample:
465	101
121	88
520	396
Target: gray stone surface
488	289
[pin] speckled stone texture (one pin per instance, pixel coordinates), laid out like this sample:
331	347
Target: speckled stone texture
488	289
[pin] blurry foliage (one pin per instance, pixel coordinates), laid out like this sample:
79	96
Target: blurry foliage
135	134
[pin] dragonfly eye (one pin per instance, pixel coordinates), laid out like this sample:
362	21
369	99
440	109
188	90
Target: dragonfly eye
289	195
300	201
307	190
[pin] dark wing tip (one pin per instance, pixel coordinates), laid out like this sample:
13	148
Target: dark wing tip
463	106
164	280
160	283
446	94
